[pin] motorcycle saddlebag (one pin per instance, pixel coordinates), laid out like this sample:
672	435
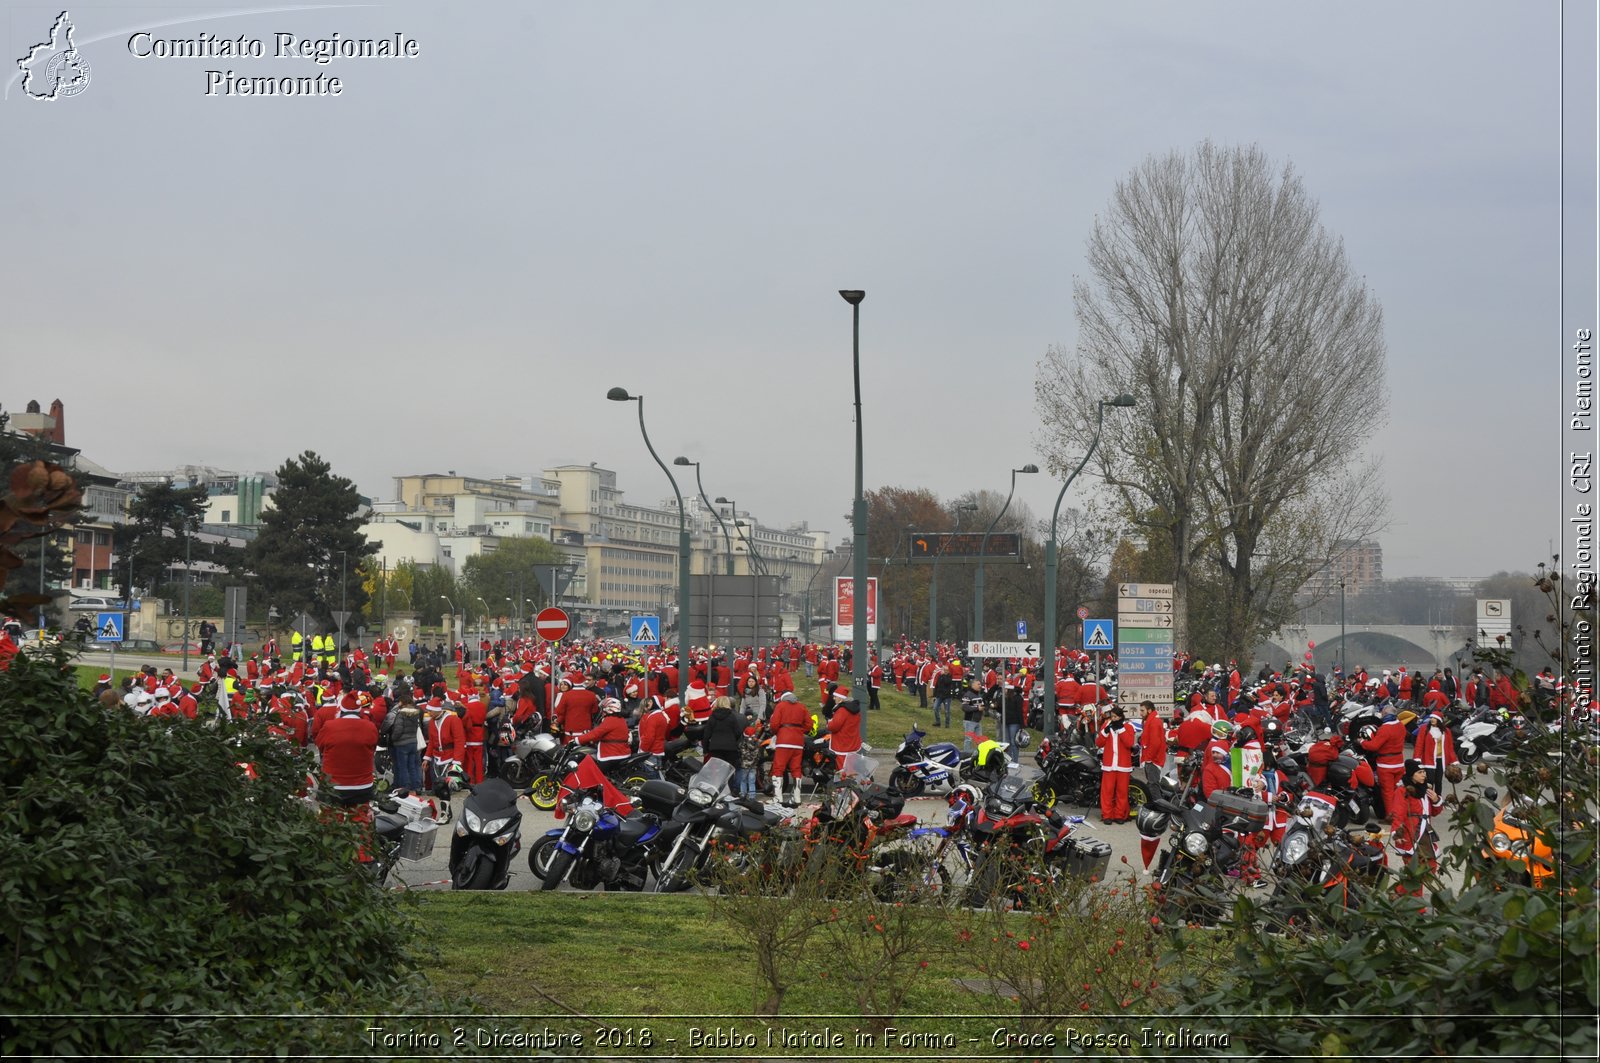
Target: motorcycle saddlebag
1090	858
1339	771
1230	804
660	796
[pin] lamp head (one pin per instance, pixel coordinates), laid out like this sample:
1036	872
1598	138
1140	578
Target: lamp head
1124	400
619	395
853	297
723	501
1030	467
681	460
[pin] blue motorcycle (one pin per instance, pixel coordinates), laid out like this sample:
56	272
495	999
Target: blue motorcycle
919	767
600	846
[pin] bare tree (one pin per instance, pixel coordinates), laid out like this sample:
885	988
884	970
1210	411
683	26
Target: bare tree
1218	300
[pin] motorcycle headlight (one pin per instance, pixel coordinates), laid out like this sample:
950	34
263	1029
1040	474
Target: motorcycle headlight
1195	843
1295	848
698	796
470	818
1500	842
495	826
584	819
1002	808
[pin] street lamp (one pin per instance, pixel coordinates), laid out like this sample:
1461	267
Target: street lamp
977	580
711	563
757	568
933	588
1047	670
1341	629
344	589
814	574
452	629
858	521
482	617
621	395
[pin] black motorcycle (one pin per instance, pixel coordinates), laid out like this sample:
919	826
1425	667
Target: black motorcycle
708	814
1070	772
1202	854
486	838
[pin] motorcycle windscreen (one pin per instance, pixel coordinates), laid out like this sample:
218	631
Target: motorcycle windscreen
856	766
713	777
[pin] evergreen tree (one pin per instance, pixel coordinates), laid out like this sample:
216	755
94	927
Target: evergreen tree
309	536
160	517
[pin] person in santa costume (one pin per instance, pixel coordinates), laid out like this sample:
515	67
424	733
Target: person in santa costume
1116	740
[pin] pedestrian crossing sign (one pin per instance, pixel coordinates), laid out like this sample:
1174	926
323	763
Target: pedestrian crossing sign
108	627
645	631
1099	634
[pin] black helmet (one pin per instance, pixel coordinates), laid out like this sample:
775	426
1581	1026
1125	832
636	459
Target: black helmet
1152	823
1244	735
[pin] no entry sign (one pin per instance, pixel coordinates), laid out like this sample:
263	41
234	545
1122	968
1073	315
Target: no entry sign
552	624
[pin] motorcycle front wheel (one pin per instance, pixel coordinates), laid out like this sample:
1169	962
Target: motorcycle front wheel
540	855
907	876
674	877
545	791
556	870
1044	794
904	781
473	873
632	785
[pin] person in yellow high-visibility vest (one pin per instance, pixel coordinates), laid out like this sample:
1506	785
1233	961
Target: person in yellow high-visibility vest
330	647
317	651
296	642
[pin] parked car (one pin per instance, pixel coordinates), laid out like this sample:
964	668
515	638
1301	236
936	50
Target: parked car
93	604
144	646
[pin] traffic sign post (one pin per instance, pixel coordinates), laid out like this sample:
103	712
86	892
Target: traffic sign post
1494	622
110	627
1099	634
1144	644
645	631
552	624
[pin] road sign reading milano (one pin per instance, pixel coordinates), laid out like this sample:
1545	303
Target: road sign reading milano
1144	626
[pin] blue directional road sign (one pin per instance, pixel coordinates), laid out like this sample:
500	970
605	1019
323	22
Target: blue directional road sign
108	627
1022	629
645	630
1099	635
1144	665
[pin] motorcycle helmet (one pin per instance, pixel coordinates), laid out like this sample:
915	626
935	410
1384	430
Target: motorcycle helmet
456	778
1023	739
1152	824
1222	730
1244	735
610	707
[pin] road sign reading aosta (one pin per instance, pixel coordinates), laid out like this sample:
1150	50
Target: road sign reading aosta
552	624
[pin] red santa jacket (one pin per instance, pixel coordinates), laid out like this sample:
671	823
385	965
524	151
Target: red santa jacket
790	723
1116	746
1153	740
1389	743
844	729
575	710
611	733
348	743
447	739
653	731
1433	752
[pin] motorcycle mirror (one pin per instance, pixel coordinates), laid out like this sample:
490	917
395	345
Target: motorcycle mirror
1491	794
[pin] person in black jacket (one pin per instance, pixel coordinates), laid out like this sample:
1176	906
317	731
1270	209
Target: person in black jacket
720	737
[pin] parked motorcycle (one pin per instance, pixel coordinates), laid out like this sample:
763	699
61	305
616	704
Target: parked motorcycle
707	814
404	826
487	837
919	766
1203	850
1484	733
855	822
1070	772
532	765
604	842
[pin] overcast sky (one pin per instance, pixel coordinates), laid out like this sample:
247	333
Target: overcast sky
448	265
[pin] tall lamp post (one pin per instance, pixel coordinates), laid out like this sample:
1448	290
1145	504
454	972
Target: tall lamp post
621	395
1341	630
858	524
1047	669
933	587
757	568
727	542
806	626
977	579
445	598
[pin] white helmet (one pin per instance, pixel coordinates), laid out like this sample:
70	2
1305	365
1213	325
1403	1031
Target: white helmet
610	707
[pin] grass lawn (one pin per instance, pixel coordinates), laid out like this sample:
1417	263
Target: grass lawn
661	961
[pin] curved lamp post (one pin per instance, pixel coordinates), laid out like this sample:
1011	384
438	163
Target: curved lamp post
977	579
711	562
858	524
1047	668
621	395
